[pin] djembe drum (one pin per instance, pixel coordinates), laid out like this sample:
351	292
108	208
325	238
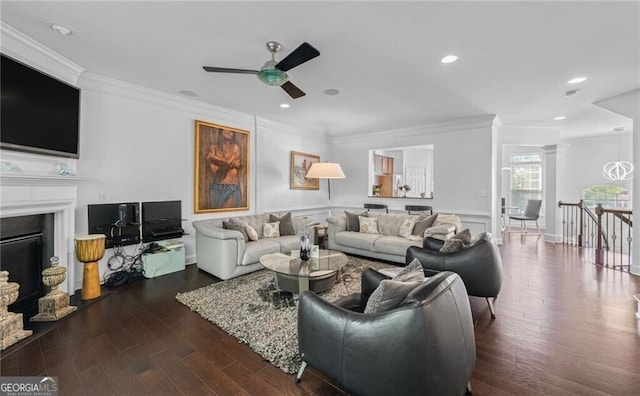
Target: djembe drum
90	249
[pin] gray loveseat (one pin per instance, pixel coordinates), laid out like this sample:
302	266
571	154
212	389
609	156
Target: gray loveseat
224	252
387	244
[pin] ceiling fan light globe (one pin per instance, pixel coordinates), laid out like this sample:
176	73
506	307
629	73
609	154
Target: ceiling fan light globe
273	77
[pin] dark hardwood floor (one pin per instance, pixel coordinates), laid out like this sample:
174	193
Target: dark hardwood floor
563	326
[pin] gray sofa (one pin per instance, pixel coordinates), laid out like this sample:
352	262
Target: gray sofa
387	245
224	252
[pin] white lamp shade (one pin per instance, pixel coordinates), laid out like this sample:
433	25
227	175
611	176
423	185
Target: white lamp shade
325	170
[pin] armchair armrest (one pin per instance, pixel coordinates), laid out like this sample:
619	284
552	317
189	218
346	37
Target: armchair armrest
213	231
370	281
432	244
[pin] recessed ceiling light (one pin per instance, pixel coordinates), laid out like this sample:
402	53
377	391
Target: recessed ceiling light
449	59
331	91
571	93
61	29
285	105
618	129
186	92
559	118
576	80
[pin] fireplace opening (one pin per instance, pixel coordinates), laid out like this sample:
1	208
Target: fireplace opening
26	244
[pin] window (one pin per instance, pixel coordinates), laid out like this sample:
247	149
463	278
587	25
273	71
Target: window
608	195
526	179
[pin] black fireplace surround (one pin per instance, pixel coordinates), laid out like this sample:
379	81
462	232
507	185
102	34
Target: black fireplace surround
26	244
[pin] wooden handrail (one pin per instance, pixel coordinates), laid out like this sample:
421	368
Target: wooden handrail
598	229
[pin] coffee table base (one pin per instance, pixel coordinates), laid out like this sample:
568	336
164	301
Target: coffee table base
317	284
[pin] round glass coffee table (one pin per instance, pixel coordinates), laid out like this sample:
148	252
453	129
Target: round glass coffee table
295	275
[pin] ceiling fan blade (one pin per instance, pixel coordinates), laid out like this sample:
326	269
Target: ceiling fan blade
292	90
305	52
228	70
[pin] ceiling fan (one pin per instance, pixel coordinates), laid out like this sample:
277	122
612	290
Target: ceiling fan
272	72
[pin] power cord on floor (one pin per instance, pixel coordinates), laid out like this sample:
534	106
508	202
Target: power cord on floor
124	268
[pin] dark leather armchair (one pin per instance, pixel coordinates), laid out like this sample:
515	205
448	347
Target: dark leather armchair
479	265
425	346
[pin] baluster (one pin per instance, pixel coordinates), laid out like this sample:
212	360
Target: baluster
599	251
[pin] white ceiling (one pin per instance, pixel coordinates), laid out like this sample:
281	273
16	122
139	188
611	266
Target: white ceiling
383	57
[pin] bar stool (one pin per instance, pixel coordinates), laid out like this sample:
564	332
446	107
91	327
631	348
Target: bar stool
418	208
369	206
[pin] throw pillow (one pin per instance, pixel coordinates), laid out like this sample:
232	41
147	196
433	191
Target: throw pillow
464	236
353	223
448	219
251	233
368	225
286	225
388	295
238	221
422	225
411	273
452	245
406	227
271	230
229	225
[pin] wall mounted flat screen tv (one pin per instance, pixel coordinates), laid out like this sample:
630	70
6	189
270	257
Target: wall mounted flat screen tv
161	220
120	222
40	114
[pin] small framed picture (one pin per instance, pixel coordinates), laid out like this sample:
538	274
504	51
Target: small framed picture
300	164
315	251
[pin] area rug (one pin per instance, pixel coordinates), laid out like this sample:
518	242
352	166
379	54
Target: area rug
253	310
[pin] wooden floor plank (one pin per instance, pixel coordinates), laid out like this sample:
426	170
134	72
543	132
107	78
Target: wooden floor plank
563	326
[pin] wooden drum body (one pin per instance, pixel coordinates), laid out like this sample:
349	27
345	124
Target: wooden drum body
90	249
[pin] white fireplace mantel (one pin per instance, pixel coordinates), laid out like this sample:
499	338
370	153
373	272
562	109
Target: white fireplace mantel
32	194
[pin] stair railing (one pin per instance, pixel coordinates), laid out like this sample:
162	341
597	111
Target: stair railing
608	231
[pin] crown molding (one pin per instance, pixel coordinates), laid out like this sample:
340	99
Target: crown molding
268	125
33	53
469	123
106	85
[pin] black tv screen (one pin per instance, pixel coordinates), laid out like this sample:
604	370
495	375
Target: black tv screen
120	222
161	220
40	114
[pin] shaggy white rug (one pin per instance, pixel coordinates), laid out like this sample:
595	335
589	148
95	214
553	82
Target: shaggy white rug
253	310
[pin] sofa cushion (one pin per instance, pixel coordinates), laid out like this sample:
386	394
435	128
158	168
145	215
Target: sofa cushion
251	233
388	295
452	245
464	236
448	219
353	223
286	225
271	230
289	243
254	250
394	245
423	224
368	225
229	225
256	221
356	240
411	273
406	227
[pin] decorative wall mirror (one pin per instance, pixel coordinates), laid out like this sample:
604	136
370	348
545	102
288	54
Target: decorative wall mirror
401	172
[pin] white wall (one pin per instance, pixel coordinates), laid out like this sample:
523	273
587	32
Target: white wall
138	145
462	168
585	159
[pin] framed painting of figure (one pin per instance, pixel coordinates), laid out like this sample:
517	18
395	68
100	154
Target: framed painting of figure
221	168
300	164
